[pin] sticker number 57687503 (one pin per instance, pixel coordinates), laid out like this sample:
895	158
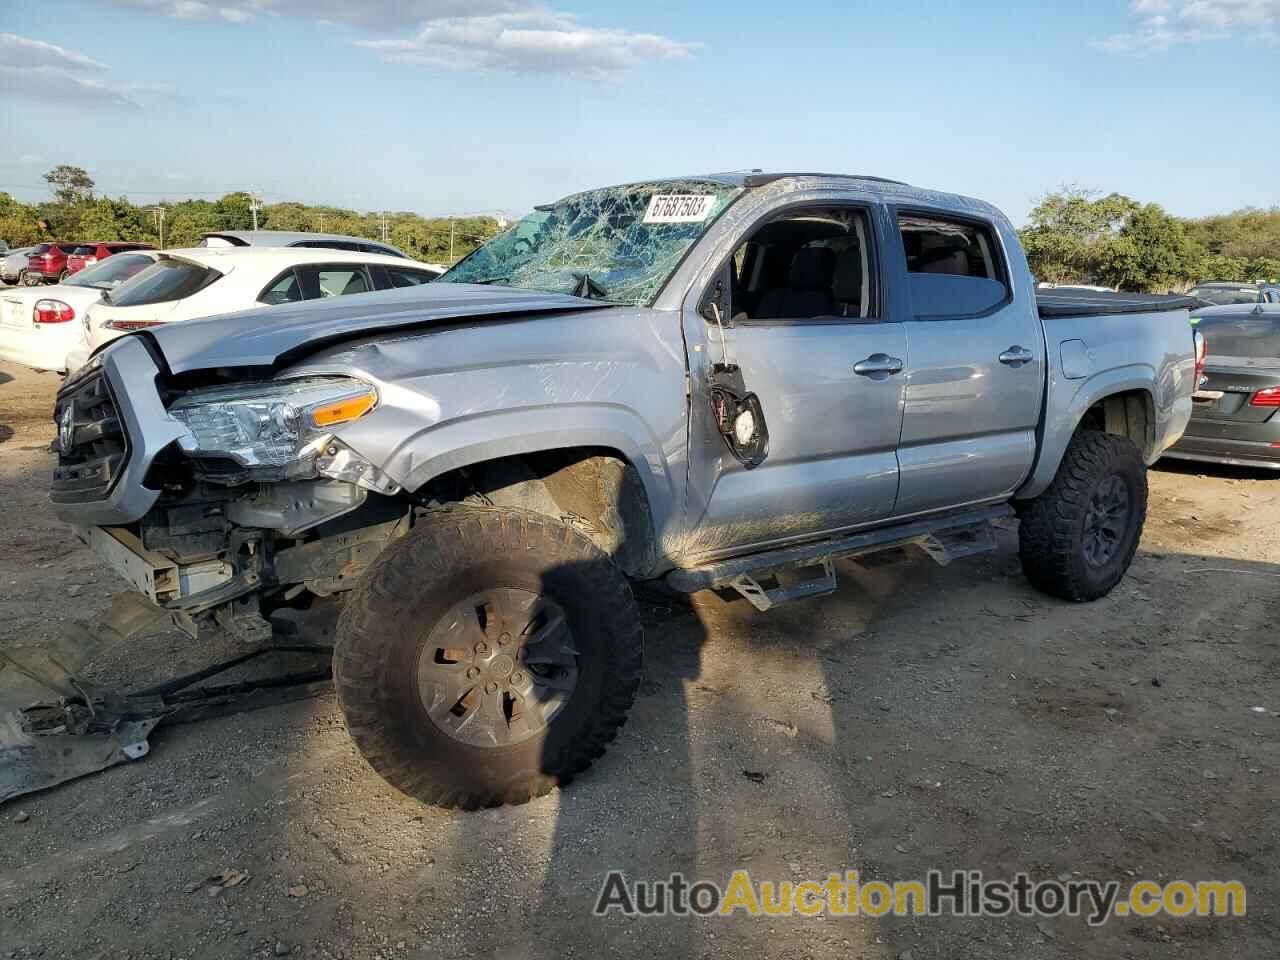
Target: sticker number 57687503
678	208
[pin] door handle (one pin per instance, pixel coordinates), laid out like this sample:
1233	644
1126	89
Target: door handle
878	366
1016	356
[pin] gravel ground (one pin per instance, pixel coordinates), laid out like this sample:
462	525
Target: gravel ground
920	717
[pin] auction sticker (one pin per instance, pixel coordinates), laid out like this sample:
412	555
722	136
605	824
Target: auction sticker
679	208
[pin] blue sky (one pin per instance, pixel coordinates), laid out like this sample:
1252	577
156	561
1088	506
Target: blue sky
445	106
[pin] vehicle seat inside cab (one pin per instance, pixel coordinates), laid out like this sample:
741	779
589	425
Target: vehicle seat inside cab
808	292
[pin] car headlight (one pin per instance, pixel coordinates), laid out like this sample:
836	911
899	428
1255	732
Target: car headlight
272	424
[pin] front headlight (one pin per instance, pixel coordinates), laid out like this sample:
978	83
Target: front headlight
271	424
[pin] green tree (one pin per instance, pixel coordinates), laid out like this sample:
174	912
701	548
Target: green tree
19	225
187	221
106	219
70	184
234	213
286	216
1067	230
1152	252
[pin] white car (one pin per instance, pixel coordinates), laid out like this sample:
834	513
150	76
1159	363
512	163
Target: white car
39	326
203	282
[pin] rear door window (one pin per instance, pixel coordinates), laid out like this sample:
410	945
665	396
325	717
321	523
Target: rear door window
320	281
163	281
954	265
284	289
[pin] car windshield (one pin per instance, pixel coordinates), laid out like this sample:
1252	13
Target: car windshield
1223	296
619	244
110	273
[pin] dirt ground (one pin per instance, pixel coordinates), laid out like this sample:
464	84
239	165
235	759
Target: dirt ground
921	717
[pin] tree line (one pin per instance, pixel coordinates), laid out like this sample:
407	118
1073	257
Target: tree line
76	212
1073	235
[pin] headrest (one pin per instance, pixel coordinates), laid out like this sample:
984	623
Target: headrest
812	268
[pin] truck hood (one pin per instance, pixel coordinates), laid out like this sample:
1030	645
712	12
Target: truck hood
282	334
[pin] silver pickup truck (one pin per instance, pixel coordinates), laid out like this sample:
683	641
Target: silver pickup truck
721	382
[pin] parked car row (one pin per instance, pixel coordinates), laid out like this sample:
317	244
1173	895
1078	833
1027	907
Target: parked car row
55	261
58	327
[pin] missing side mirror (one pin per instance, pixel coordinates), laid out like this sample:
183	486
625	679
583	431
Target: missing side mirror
738	416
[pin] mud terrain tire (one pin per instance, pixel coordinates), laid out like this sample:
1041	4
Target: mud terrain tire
1077	539
445	604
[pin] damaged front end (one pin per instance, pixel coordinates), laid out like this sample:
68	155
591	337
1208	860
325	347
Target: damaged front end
217	500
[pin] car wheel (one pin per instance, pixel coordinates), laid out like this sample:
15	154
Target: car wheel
487	656
1077	539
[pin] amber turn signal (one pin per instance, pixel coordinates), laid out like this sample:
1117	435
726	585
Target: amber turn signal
344	410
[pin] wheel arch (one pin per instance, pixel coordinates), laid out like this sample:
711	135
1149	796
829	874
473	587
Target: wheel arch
1119	402
610	485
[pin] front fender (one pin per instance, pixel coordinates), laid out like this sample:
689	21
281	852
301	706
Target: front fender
439	448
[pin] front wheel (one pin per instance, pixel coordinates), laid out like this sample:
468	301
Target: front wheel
488	656
1077	539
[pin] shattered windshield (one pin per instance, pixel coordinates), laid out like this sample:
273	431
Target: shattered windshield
618	244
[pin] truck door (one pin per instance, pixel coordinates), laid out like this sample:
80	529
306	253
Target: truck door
806	324
975	383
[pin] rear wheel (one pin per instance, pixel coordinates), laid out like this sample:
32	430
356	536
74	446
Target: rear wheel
1077	539
487	657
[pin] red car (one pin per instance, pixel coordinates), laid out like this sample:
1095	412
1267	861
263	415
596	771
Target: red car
48	262
87	254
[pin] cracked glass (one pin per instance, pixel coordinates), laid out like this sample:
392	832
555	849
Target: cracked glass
618	244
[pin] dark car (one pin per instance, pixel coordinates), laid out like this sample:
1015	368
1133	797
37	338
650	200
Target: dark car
48	263
1234	417
1225	293
87	254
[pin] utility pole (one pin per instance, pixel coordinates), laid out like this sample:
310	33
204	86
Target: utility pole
254	206
386	229
452	225
158	214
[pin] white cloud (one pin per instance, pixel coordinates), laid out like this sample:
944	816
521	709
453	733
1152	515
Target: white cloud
36	70
1163	24
509	35
537	42
50	85
362	13
23	52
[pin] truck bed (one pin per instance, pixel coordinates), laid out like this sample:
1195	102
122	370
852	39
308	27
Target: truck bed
1091	303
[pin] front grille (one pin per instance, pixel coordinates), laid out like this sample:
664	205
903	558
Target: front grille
92	446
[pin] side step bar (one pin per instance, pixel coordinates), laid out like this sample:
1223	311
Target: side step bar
942	538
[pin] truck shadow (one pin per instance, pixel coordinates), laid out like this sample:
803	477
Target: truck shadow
927	718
